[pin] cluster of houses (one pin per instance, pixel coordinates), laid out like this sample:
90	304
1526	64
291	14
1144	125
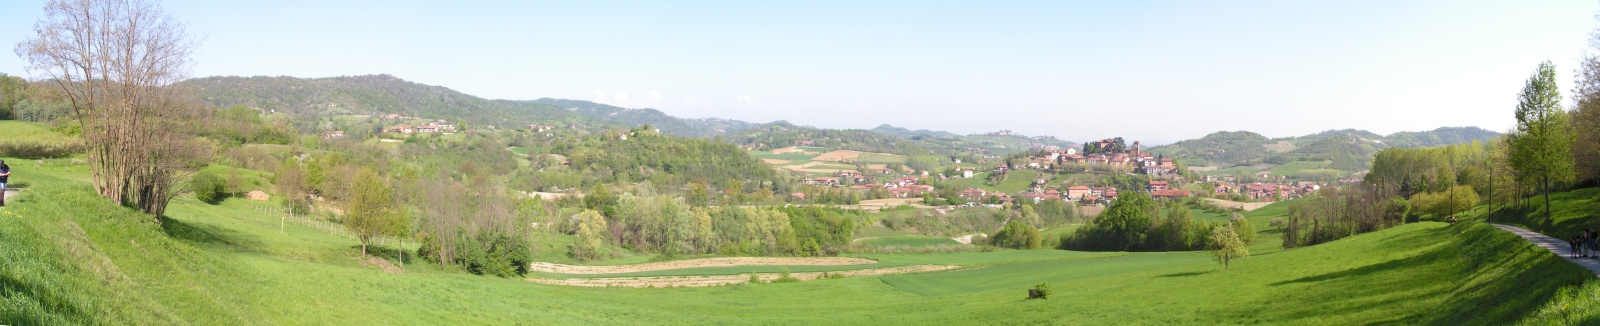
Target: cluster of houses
905	186
1148	163
1267	191
432	127
1086	195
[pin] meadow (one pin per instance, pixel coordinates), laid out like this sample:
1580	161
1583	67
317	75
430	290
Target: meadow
1017	181
71	258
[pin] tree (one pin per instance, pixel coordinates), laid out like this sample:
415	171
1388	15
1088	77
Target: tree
1542	143
114	62
371	212
290	179
591	235
1242	228
1226	246
1586	118
1017	235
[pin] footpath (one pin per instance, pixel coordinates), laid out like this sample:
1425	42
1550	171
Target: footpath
1559	247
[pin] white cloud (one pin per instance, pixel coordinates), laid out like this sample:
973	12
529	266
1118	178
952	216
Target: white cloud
619	99
600	96
654	96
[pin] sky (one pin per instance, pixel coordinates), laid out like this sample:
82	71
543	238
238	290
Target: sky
1159	71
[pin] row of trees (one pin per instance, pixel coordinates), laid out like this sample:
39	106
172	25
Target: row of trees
1135	222
665	225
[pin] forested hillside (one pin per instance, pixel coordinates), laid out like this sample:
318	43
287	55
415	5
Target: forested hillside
1347	150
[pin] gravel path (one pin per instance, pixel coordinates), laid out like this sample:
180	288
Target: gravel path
1557	246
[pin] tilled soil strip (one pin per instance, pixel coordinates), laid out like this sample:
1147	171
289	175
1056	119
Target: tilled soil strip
702	262
716	280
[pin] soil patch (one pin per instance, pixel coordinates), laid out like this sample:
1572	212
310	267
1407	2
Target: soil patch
380	263
257	195
787	150
716	280
1282	146
1233	204
702	262
774	161
967	239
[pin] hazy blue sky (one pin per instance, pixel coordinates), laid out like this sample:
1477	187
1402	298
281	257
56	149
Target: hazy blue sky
1159	71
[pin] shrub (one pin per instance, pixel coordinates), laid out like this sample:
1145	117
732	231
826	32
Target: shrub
207	187
784	277
1243	229
1040	291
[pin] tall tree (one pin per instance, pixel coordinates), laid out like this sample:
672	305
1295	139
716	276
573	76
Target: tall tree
114	62
1542	144
371	212
1586	117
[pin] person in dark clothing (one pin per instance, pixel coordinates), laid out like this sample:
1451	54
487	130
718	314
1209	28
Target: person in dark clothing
1574	244
5	173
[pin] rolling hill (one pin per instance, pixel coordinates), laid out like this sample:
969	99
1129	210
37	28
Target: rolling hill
1348	150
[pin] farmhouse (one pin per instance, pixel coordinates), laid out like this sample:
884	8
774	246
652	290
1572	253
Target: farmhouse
1077	192
1157	185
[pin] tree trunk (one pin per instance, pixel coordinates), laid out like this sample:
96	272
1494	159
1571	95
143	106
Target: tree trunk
1547	215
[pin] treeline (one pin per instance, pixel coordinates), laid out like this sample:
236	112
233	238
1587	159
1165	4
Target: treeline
658	224
1135	222
782	134
1540	155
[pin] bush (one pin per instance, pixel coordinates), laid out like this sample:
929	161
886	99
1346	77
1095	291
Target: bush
1040	291
207	187
488	253
1017	235
1243	229
784	277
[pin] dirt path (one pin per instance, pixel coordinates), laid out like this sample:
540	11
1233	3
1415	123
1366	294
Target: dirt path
1556	246
715	280
702	262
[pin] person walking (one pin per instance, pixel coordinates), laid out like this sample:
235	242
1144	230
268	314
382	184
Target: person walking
5	173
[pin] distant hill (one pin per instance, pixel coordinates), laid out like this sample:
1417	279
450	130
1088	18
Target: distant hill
1348	149
385	94
899	132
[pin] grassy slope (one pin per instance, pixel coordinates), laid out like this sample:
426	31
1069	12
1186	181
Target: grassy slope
69	257
909	240
1017	181
14	129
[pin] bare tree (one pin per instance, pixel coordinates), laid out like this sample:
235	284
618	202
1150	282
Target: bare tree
114	61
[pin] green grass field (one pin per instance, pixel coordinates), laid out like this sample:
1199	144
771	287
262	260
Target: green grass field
69	257
880	158
19	129
909	240
1018	181
788	156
